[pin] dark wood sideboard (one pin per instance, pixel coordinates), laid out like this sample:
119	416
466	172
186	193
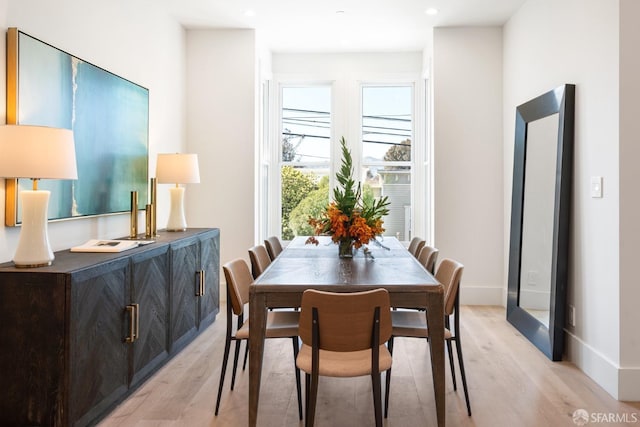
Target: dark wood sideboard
77	337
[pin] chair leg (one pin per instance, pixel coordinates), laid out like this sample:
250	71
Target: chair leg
236	356
462	374
388	380
312	397
296	347
227	346
307	392
377	403
246	353
453	370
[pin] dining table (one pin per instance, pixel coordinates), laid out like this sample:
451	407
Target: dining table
386	264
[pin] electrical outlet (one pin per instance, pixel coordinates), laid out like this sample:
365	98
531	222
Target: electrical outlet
572	315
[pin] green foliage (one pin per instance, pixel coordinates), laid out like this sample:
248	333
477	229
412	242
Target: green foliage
311	206
345	195
348	199
353	214
296	185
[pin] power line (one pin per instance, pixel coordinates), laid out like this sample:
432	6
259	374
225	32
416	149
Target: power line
304	135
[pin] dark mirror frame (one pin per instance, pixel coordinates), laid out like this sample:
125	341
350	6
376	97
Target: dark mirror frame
550	340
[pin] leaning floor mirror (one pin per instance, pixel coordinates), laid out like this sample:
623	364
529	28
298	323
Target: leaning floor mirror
540	214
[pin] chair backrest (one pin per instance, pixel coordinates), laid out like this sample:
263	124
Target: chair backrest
274	247
427	257
345	319
260	260
449	274
415	245
238	278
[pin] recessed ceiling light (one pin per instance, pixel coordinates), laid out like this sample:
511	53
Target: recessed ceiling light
249	12
431	11
340	12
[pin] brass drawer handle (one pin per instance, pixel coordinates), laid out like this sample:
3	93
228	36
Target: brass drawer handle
137	306
134	322
202	283
131	309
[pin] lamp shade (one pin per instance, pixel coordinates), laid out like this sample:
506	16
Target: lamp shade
177	169
37	152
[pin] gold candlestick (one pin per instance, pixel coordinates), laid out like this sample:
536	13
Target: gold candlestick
133	230
147	225
154	193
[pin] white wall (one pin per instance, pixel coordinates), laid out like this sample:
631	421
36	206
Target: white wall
135	40
221	89
580	45
468	179
629	315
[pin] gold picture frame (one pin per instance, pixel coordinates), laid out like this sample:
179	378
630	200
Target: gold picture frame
109	116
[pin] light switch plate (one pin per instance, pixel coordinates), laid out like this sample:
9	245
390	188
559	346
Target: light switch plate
596	187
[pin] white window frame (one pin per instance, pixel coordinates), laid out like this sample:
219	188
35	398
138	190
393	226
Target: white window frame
346	116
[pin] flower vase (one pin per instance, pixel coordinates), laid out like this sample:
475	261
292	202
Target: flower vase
345	248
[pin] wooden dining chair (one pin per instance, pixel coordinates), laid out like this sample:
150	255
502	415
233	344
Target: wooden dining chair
260	260
415	245
274	246
427	257
280	324
409	323
343	335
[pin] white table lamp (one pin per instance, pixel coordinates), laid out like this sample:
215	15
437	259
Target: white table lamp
177	169
36	152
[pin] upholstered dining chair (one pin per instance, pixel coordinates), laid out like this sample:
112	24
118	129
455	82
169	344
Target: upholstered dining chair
260	260
280	324
415	245
409	323
274	246
427	257
343	335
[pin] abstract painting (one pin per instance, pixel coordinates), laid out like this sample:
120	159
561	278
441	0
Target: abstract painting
108	114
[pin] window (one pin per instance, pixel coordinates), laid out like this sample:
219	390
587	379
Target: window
387	132
383	120
305	155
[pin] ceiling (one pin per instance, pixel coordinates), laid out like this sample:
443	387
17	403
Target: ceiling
341	25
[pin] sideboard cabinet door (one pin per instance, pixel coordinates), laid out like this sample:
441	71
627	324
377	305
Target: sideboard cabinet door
150	291
185	285
195	280
98	326
210	266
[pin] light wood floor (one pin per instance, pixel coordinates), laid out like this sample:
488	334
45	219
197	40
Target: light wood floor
510	383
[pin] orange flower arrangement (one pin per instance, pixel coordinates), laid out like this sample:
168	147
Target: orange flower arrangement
349	219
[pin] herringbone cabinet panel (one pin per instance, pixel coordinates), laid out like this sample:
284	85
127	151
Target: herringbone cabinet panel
150	290
210	301
97	339
185	262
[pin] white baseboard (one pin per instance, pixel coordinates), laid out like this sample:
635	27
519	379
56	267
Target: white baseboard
629	385
481	295
621	383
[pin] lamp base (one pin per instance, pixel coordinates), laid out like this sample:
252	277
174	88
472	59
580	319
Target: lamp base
33	245
177	221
